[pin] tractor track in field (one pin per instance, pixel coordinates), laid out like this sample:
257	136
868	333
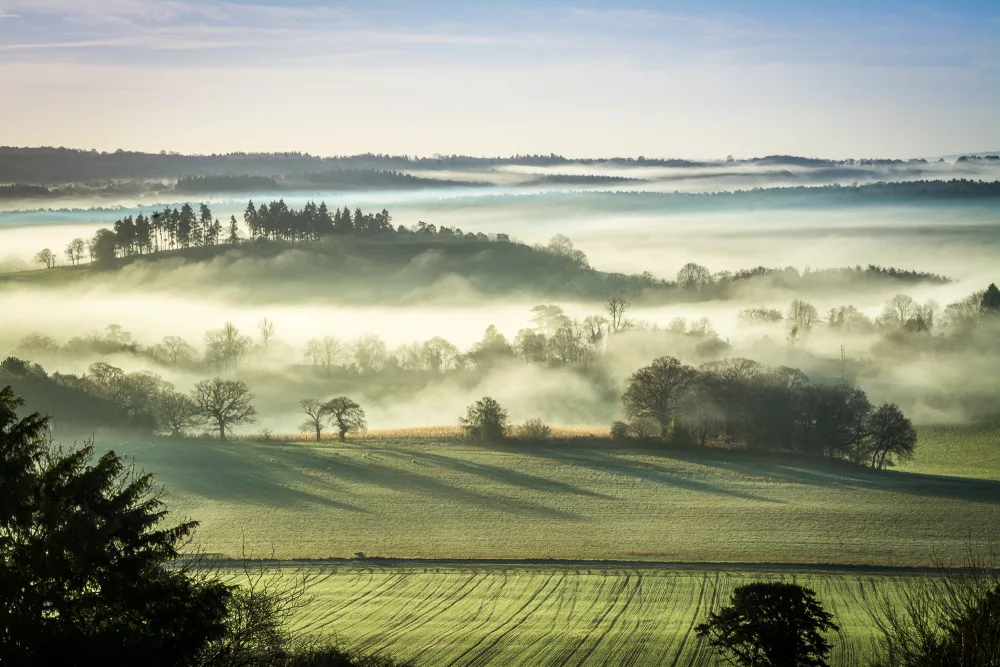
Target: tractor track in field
509	622
481	617
614	619
397	564
429	609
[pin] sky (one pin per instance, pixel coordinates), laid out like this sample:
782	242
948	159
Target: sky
683	79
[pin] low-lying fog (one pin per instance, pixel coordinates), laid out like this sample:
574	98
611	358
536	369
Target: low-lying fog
959	241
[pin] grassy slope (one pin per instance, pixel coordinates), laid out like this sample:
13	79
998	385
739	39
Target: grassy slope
566	500
515	617
959	451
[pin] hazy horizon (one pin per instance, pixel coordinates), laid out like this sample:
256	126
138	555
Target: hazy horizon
701	80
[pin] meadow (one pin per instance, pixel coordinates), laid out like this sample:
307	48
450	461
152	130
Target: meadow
404	495
578	615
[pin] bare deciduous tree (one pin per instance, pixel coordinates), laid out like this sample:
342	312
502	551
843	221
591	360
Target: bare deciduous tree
226	347
225	403
346	415
654	391
177	412
46	257
616	307
802	316
266	329
316	416
74	251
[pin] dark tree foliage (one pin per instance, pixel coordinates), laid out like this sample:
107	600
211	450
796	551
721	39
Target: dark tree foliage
891	435
23	191
226	183
740	401
84	560
654	391
484	420
345	415
990	304
771	625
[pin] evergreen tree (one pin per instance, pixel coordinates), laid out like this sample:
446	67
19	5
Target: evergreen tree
204	228
87	573
991	301
186	222
252	220
234	231
324	223
345	225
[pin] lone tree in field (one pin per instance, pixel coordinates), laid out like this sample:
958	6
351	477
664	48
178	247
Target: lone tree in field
316	416
346	415
484	420
770	625
225	403
87	570
654	392
891	434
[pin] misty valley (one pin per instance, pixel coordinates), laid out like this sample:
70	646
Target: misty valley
417	372
641	333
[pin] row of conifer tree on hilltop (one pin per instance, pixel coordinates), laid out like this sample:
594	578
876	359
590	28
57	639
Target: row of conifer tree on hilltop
174	228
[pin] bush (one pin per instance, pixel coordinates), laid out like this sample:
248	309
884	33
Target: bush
952	621
484	420
770	623
534	429
619	431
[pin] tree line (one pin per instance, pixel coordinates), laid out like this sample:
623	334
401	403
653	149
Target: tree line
553	339
740	402
182	228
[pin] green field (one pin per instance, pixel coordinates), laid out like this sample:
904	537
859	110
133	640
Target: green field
959	451
585	501
555	616
572	499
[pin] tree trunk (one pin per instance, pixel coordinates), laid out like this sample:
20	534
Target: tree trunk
342	434
318	429
222	431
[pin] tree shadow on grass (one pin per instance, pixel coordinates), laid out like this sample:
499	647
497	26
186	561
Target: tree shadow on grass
774	468
604	460
229	473
499	474
844	474
346	468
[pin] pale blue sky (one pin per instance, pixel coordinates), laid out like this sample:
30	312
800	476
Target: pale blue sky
684	79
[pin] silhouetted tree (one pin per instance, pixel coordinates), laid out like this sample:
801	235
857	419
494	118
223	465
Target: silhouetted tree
177	412
225	403
616	307
316	416
46	257
891	436
990	304
103	247
654	391
346	415
74	251
770	625
88	574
